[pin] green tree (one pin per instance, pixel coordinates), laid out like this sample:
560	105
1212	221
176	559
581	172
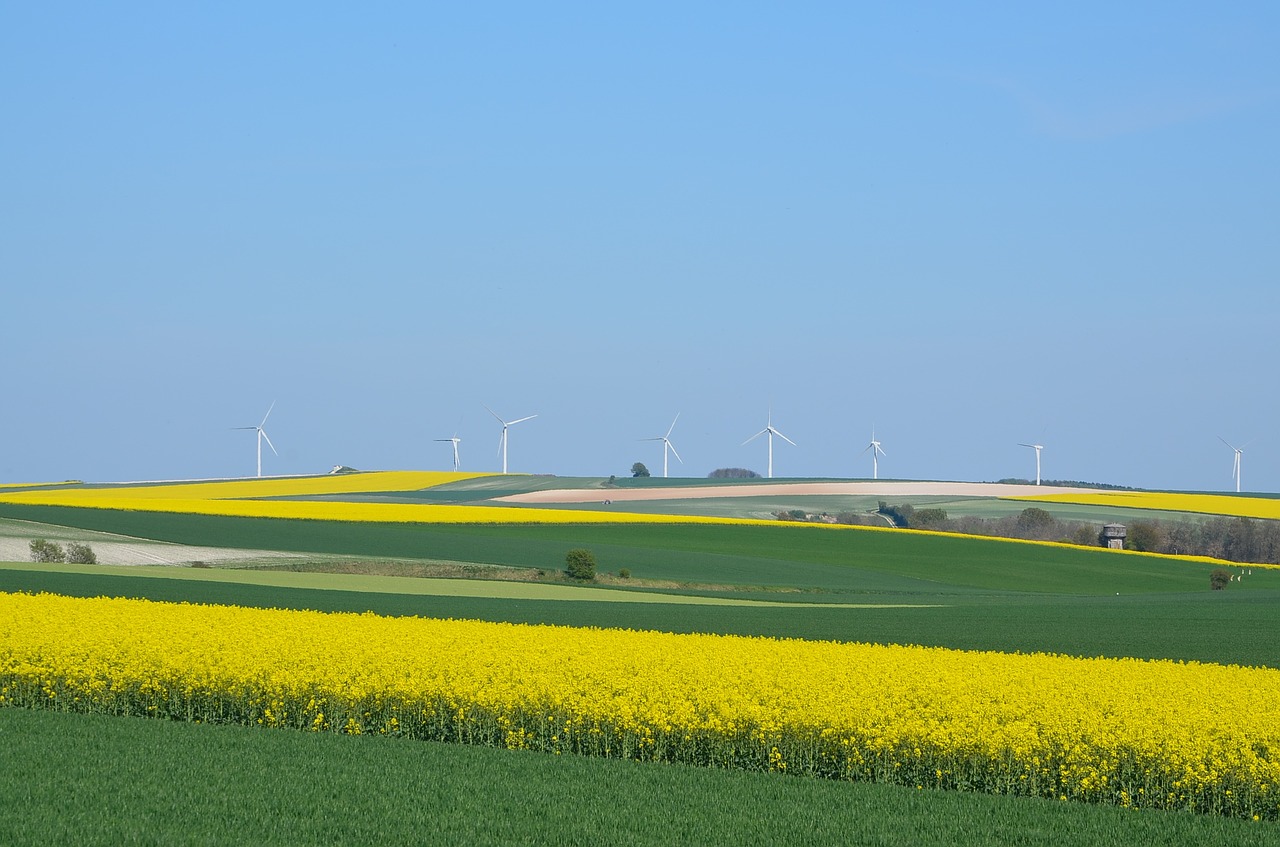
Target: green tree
1219	578
1144	536
47	551
81	554
580	564
1034	521
929	519
638	469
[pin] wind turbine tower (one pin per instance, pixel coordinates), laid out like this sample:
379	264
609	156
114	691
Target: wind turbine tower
455	441
666	445
1037	448
771	432
874	447
1235	468
262	433
502	442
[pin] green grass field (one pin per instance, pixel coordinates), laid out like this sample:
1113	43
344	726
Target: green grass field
98	780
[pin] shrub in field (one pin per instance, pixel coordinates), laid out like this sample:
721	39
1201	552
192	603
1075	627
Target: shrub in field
47	551
1219	578
81	554
624	573
638	469
580	564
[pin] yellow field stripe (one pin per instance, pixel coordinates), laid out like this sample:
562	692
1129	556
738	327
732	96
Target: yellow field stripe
1206	504
354	483
371	512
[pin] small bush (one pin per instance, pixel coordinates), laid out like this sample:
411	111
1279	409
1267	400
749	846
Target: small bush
624	573
1219	578
580	564
47	551
81	554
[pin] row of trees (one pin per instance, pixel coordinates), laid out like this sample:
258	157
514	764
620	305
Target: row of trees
49	551
1232	539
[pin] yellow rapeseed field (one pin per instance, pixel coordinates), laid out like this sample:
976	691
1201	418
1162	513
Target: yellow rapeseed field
1207	504
1135	733
318	510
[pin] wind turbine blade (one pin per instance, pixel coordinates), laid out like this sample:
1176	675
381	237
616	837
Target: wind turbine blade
268	438
1032	446
784	438
754	437
244	427
521	420
880	450
495	414
673	450
673	424
268	414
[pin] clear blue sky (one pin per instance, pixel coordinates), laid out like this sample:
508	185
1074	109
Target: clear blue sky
968	225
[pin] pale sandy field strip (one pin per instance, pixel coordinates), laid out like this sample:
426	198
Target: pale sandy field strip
788	489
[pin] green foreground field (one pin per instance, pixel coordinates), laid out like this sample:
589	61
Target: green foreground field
98	780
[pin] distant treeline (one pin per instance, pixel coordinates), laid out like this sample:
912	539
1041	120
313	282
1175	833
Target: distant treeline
1065	483
1232	539
732	473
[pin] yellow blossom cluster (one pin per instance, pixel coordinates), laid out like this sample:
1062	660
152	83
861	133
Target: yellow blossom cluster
1137	733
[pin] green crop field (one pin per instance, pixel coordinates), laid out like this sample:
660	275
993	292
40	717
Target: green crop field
99	780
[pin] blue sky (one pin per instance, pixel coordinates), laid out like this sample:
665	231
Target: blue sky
964	226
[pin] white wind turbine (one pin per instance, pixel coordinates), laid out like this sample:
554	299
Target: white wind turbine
667	445
874	447
455	441
1235	468
771	432
262	433
502	442
1037	448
